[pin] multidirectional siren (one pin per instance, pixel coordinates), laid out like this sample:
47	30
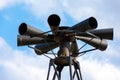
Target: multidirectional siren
85	31
64	37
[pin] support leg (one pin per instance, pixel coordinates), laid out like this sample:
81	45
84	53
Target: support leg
51	63
76	71
70	68
56	73
78	67
49	70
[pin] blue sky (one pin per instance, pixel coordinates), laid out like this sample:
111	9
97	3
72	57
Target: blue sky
21	63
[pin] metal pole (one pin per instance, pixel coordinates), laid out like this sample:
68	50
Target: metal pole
70	68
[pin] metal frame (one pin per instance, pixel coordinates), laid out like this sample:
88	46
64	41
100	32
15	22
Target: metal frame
71	62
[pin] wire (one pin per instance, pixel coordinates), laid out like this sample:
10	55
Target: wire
84	52
39	51
82	46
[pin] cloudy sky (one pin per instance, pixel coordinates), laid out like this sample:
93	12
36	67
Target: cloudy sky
21	63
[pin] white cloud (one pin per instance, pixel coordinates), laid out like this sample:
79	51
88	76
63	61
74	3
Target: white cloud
43	8
40	7
113	50
19	65
7	3
97	70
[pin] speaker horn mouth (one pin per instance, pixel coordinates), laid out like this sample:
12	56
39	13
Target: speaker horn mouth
54	20
93	22
22	28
